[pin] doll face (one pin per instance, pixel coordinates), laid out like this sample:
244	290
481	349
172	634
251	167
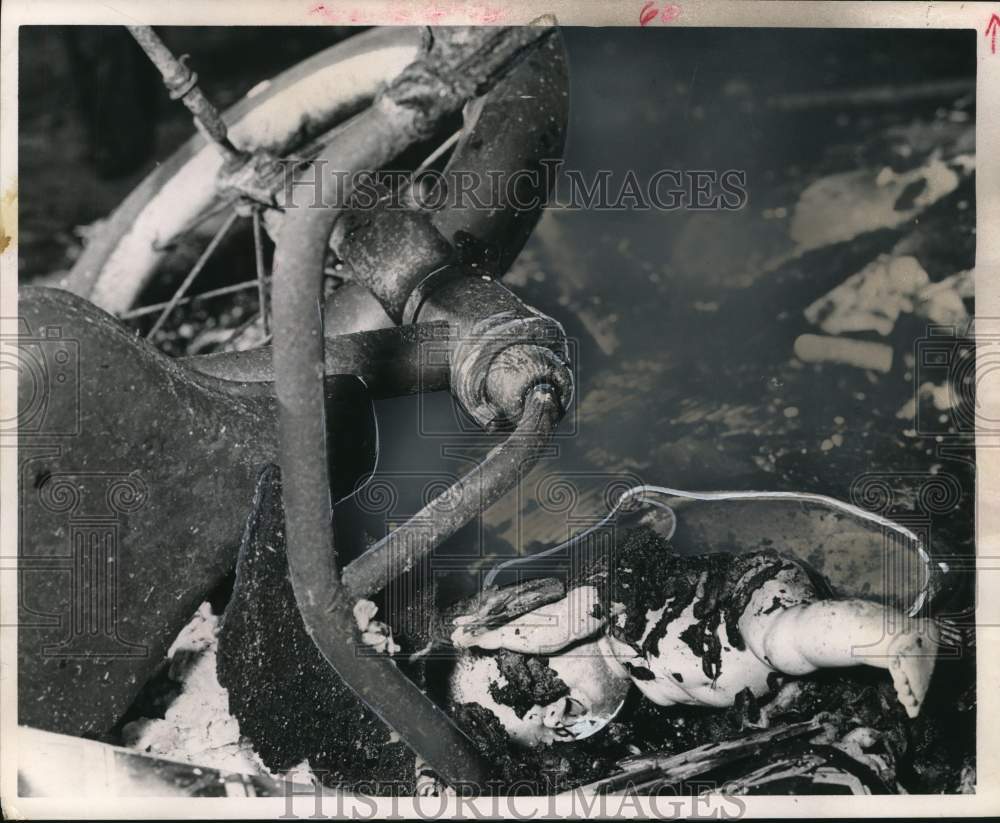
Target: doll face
596	694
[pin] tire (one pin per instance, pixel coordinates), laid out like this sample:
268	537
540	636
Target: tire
292	109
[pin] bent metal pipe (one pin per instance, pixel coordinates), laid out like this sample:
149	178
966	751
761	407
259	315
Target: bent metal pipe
459	64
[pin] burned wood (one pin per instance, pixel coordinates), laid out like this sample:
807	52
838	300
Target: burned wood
649	771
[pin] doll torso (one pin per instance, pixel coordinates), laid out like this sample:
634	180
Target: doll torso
678	626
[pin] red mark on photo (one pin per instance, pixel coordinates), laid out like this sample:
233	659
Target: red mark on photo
652	11
321	10
335	16
476	13
420	13
489	15
671	11
991	32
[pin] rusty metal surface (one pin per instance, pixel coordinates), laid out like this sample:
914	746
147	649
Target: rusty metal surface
500	348
463	62
683	321
517	126
489	319
472	494
520	124
98	253
134	483
391	362
391	252
182	83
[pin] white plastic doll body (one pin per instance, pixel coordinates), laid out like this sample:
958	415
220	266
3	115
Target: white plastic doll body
767	619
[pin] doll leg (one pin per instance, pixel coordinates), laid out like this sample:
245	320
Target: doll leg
827	633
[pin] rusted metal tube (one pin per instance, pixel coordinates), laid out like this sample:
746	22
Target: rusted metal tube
182	84
391	362
488	319
391	252
460	63
472	494
408	266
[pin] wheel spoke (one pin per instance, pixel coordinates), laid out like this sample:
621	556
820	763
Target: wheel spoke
240	330
434	155
191	225
152	308
262	280
407	188
195	271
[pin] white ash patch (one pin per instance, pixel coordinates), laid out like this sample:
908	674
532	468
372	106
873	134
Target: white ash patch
862	354
941	396
197	727
842	206
875	297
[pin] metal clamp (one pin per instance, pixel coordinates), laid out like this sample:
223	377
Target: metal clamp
491	389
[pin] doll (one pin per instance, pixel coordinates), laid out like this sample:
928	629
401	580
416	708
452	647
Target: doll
683	630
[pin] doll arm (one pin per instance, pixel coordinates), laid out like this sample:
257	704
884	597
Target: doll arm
544	630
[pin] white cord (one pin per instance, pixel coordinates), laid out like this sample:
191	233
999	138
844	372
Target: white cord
804	497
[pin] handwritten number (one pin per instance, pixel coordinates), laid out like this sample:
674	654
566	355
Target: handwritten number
666	13
671	12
